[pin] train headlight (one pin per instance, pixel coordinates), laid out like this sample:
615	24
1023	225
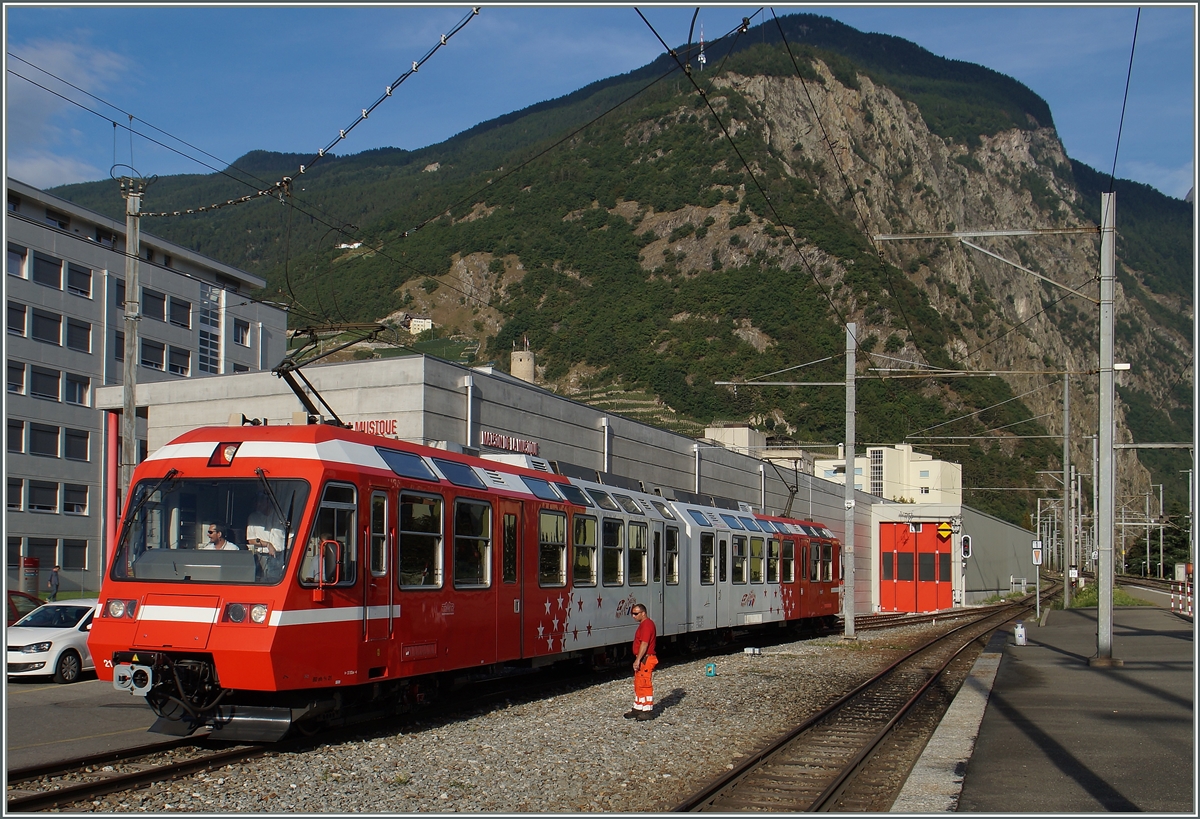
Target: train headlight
235	613
258	613
121	608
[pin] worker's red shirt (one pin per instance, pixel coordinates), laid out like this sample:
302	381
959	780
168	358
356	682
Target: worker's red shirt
646	633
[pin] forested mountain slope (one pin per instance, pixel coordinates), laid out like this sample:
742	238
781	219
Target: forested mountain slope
660	232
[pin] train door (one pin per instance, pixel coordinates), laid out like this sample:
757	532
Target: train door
509	616
789	586
657	605
724	589
704	602
377	602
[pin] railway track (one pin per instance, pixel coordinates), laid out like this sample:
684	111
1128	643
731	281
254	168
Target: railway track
855	754
82	780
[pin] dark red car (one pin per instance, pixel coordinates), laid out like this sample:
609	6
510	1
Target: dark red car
20	604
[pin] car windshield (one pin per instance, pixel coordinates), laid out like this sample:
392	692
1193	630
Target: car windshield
54	616
204	531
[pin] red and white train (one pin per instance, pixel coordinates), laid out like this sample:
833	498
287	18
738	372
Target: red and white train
402	567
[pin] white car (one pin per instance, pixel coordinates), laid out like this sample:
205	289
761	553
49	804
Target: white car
52	639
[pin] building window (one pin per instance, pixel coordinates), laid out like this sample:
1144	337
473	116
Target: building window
149	254
74	554
924	490
45	549
14	543
16	436
209	316
154	304
119	345
167	260
16	377
14	206
181	313
47	270
75	499
105	238
58	220
16	494
179	361
79	335
241	332
47	327
43	496
152	354
241	368
16	261
77	389
79	280
43	440
119	294
16	318
76	444
44	383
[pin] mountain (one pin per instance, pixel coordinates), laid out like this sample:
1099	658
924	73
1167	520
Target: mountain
657	232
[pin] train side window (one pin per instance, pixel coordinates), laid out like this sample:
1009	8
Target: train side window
706	558
472	544
723	561
552	548
420	559
584	572
656	556
814	561
739	559
613	552
773	560
756	560
508	562
672	556
335	521
788	562
637	554
379	519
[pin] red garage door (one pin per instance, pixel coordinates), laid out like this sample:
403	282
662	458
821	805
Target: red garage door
915	568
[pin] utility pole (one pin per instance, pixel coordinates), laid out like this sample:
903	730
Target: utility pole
1104	513
1066	465
132	190
848	542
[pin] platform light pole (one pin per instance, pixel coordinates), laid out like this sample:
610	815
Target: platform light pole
848	538
132	190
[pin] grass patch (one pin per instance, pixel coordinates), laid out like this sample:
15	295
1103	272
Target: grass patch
1090	596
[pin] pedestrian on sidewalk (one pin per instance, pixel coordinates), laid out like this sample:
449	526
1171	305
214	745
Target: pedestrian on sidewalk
53	584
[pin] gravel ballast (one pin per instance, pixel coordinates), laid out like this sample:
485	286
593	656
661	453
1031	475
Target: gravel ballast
572	752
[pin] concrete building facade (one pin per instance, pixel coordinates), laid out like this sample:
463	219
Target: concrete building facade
65	295
898	474
435	402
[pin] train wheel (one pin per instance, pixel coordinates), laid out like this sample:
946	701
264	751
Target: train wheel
68	667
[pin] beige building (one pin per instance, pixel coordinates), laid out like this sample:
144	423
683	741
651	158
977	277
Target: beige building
897	473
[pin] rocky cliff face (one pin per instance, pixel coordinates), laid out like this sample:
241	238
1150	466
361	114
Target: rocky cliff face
872	157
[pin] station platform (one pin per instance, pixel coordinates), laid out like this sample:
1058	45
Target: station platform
1036	729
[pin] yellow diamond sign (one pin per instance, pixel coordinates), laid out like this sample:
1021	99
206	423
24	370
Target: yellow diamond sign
944	530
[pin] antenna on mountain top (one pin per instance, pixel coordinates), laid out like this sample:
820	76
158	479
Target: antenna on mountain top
702	59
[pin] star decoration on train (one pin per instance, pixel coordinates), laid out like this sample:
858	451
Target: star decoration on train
575	633
541	630
600	602
547	605
580	601
560	601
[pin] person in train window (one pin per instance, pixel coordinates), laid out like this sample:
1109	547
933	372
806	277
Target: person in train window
645	660
216	539
264	529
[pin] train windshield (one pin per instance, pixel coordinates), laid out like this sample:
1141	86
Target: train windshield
210	531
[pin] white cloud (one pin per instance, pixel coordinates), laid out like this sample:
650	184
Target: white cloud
46	169
1174	182
46	135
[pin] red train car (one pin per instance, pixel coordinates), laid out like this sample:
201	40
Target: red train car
270	577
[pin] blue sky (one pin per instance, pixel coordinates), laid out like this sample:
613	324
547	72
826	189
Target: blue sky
231	79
